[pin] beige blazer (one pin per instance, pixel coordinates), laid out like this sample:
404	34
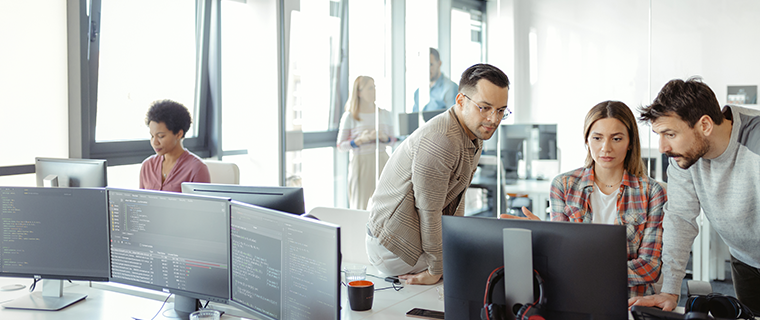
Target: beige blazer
425	178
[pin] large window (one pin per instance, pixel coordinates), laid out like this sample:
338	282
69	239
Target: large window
143	62
137	52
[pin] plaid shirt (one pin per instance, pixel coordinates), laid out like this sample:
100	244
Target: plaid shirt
639	207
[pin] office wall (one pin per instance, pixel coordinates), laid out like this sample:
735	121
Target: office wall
570	55
33	81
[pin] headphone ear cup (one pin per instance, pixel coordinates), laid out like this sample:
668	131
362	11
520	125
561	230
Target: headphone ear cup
697	303
726	307
528	312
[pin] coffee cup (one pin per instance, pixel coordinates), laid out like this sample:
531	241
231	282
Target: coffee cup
360	294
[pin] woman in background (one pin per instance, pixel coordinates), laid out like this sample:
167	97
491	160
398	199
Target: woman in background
172	164
366	139
612	188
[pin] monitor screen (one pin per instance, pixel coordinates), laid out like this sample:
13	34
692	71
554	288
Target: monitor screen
583	266
54	233
285	199
284	266
72	172
172	242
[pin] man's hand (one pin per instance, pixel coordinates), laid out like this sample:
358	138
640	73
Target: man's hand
665	301
423	277
528	215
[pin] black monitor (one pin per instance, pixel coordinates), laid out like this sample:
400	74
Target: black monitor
408	122
583	266
53	233
171	242
526	142
284	266
71	172
285	199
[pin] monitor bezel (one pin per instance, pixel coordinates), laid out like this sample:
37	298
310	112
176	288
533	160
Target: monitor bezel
485	246
64	276
176	291
286	215
88	168
233	190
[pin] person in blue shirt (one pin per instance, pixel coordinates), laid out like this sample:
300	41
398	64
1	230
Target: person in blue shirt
443	91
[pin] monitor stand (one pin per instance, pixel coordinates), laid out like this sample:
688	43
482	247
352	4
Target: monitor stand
51	298
183	307
518	260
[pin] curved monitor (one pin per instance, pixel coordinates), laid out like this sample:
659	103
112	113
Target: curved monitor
285	199
284	266
171	242
71	172
53	233
583	266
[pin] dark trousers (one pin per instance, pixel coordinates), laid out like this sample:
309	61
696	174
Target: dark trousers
746	284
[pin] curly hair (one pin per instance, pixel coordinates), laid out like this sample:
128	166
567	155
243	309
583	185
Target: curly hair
172	113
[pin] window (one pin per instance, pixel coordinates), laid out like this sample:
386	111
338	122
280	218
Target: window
147	53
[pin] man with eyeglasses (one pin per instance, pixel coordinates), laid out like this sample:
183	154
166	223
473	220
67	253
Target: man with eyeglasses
427	176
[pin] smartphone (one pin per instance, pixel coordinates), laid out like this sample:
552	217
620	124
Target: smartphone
424	313
393	279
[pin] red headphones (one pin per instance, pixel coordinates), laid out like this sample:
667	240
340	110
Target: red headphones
493	311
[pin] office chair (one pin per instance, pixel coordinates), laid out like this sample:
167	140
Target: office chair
223	172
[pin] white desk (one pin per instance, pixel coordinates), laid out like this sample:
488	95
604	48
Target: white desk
392	304
104	302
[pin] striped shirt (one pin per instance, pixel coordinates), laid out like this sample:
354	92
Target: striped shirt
425	178
639	209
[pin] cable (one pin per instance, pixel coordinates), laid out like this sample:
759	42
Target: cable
34	285
162	306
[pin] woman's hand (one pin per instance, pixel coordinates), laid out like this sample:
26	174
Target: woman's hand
528	215
365	136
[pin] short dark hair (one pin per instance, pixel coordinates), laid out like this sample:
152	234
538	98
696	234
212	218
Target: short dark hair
690	100
473	74
435	54
172	113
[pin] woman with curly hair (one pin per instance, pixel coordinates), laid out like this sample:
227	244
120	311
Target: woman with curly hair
172	164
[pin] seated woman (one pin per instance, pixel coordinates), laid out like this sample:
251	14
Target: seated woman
612	188
172	164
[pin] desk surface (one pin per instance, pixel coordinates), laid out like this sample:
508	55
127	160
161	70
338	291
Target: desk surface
106	301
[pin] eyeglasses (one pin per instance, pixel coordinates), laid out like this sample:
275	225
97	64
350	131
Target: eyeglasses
489	111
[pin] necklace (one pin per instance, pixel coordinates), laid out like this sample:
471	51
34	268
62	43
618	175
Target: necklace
612	185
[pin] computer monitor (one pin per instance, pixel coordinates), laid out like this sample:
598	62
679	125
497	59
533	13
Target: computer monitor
583	266
71	172
53	233
285	199
526	142
284	266
408	122
171	242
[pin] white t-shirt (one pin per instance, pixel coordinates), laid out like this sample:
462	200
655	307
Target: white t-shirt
603	206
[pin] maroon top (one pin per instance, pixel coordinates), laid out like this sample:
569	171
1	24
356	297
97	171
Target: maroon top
189	168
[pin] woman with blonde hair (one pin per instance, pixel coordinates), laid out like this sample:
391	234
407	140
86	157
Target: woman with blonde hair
365	131
612	188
